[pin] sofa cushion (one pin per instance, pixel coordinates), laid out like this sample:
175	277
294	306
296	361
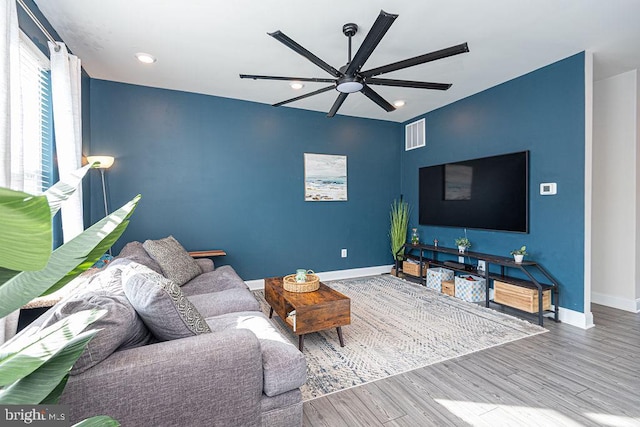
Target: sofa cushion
227	301
220	279
135	252
284	366
163	307
174	260
119	327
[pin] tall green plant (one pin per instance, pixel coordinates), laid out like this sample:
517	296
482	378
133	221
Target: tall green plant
399	223
34	366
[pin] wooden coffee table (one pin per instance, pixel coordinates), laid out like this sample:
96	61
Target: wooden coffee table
315	311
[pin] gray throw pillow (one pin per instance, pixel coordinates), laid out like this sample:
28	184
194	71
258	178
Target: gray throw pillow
119	327
135	252
175	262
161	304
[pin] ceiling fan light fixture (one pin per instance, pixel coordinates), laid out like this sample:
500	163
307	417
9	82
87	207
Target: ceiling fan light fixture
296	85
349	85
399	103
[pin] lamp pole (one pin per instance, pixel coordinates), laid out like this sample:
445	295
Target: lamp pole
103	163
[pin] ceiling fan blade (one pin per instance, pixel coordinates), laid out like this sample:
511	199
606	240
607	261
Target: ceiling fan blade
306	95
378	30
295	79
408	83
337	104
427	57
284	39
373	95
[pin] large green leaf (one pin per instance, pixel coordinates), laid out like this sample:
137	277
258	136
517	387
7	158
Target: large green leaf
63	189
25	231
24	354
90	258
36	386
99	421
55	394
27	285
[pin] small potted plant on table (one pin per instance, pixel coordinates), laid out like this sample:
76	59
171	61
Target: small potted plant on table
463	244
518	254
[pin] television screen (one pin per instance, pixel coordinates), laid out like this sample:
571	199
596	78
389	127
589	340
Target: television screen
489	193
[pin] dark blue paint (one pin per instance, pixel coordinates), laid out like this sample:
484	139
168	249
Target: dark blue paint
223	173
542	112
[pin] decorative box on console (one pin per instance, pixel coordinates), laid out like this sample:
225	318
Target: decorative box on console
470	288
435	276
449	288
413	268
525	299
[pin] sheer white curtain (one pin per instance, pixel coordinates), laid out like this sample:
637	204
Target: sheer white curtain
10	102
67	126
10	117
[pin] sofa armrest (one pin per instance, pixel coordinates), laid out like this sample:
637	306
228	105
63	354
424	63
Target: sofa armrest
210	379
205	264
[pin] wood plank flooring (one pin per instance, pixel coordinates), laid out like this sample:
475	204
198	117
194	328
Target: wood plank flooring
566	377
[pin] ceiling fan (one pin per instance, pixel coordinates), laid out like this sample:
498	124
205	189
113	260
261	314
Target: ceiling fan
349	78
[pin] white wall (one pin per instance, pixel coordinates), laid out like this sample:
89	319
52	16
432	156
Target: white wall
615	231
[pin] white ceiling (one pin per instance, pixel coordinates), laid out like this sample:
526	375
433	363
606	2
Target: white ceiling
202	45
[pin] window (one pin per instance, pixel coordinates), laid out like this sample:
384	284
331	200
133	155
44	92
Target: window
37	140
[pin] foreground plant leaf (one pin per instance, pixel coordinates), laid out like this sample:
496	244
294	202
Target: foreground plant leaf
25	231
66	262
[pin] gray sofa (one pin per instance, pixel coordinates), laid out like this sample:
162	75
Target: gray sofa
238	371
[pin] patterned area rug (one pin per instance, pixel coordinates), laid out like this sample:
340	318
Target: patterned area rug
397	326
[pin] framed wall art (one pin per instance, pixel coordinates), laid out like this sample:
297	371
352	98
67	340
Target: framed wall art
325	177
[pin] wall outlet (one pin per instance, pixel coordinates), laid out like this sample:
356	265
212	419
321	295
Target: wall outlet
461	259
481	265
343	253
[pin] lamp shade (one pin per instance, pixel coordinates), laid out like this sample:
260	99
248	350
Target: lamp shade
104	162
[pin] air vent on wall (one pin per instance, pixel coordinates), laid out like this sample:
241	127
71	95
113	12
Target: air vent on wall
414	135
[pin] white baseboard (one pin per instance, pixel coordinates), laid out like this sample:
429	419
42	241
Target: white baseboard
626	304
334	275
570	317
574	318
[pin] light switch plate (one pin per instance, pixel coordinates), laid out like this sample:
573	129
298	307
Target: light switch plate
548	188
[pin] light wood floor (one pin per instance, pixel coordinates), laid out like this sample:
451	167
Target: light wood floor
566	377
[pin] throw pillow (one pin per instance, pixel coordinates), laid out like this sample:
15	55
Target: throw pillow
117	327
135	252
161	304
174	260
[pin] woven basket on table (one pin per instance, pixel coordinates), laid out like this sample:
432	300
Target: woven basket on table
290	284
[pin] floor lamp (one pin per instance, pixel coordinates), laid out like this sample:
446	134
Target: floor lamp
102	163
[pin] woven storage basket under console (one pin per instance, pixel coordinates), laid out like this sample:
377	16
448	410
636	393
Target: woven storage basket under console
413	269
525	299
290	284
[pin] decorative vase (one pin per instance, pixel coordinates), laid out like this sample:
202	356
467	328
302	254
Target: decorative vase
461	249
415	238
518	258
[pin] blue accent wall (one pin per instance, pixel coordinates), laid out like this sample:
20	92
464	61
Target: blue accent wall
543	112
229	174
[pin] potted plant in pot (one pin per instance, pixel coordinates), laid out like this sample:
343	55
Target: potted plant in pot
463	244
34	366
399	222
518	254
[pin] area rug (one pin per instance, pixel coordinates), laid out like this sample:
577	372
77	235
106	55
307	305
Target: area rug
397	326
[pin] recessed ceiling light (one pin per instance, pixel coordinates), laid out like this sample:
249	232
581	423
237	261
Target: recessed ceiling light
145	58
296	85
399	103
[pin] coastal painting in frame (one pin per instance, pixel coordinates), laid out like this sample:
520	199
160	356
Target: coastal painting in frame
325	178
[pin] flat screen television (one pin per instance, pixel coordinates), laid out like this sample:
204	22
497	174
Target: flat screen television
489	193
